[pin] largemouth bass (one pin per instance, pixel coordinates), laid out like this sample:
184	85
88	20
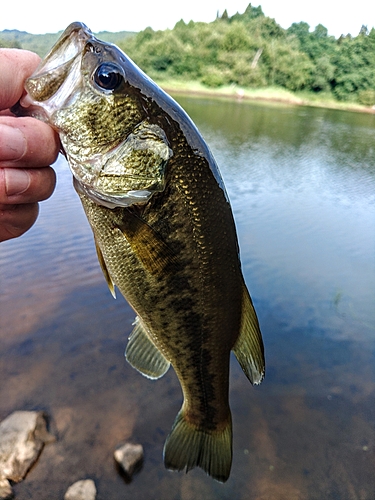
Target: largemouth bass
164	233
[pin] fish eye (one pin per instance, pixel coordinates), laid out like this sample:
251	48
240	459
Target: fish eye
108	76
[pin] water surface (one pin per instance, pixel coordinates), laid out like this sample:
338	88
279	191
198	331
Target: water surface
302	185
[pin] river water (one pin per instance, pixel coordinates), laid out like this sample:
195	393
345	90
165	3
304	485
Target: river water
302	186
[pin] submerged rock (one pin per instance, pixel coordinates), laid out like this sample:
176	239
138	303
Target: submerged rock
22	437
81	490
129	457
6	492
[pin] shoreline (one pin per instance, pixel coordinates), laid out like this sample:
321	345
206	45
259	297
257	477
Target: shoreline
268	94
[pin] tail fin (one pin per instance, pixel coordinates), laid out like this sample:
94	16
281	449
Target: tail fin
189	446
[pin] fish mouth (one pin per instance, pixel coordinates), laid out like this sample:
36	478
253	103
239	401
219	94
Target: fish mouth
56	78
66	49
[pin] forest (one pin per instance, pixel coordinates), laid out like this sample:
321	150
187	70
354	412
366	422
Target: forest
252	51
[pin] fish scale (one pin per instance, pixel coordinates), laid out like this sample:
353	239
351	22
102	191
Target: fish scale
164	233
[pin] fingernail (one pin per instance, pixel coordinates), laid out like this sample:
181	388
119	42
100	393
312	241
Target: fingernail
12	143
17	181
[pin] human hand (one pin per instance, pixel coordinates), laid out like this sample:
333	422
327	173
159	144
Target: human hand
27	146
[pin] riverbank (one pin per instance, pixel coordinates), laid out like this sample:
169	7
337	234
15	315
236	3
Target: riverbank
268	94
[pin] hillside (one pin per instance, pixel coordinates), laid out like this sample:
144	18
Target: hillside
42	43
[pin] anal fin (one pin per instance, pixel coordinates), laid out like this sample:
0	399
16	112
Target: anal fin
143	355
248	348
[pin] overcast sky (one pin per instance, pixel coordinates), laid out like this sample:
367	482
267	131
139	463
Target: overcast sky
46	16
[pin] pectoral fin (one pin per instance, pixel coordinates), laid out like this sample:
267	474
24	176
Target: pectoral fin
148	245
248	348
108	278
143	355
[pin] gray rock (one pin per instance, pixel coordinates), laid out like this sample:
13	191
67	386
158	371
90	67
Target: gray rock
81	490
6	492
130	457
22	437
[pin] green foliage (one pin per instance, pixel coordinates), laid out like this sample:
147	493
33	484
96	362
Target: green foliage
236	38
322	74
9	44
213	77
269	29
250	13
367	97
344	67
225	16
288	67
354	67
218	53
167	52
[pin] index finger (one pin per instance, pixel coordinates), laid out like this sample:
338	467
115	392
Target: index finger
15	66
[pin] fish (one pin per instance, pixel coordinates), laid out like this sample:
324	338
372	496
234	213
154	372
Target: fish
164	233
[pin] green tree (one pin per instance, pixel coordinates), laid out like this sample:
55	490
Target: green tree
321	49
355	66
287	66
300	30
250	13
225	16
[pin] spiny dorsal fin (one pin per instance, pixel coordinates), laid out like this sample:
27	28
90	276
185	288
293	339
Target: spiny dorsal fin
108	278
248	348
143	355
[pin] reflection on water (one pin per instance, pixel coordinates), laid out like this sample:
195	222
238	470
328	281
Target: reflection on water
302	186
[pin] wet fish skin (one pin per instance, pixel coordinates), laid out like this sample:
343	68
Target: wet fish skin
164	234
